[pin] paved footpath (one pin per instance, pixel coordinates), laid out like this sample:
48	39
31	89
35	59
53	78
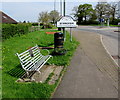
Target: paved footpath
92	73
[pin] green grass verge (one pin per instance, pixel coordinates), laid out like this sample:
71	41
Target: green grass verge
0	84
12	69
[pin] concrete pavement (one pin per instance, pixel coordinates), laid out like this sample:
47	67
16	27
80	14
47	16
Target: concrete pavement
92	73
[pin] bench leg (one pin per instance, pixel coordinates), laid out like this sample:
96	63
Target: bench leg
32	79
39	72
27	74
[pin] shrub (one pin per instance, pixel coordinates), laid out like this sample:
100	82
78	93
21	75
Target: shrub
90	22
10	30
47	26
115	22
36	24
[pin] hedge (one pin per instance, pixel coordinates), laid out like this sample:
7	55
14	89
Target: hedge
36	24
10	30
90	22
115	22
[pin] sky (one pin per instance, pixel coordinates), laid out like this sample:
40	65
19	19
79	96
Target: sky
29	11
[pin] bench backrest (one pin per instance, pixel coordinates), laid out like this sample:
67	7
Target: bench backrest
29	58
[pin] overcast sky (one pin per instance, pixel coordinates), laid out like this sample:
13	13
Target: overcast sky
29	11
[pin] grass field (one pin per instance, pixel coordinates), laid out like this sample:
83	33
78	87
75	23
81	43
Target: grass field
12	69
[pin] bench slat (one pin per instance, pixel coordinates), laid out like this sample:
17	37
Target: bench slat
24	55
27	51
32	61
40	63
27	58
38	59
44	62
27	62
36	49
37	52
30	66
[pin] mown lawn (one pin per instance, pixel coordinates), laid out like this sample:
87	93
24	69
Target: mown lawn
12	69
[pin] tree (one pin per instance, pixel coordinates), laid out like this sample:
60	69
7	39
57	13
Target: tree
113	10
84	13
54	15
106	10
119	10
93	15
75	12
44	17
102	9
24	21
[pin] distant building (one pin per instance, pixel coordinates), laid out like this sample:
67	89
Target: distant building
4	18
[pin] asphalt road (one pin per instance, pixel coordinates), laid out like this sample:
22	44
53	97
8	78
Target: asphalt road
109	37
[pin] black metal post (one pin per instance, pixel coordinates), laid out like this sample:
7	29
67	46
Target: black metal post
64	8
64	15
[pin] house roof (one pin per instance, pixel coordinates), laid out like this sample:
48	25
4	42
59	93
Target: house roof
6	19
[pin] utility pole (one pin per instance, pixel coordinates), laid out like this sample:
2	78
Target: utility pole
60	7
64	8
64	15
54	5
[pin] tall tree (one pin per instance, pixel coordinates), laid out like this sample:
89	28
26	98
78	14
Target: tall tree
83	12
75	12
113	10
119	10
102	9
54	15
109	10
44	17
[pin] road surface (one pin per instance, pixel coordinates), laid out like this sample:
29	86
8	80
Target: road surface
109	37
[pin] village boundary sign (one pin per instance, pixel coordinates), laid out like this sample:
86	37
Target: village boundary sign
66	22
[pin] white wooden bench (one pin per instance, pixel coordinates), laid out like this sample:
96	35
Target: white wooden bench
32	60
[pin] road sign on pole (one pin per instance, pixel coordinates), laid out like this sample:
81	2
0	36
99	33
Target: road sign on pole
70	34
66	22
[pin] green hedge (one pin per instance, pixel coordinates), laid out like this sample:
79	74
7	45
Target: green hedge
115	22
90	22
10	30
36	24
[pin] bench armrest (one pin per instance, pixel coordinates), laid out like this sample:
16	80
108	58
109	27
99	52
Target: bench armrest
47	51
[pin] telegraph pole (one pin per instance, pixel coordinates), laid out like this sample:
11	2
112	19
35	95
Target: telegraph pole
64	15
64	8
61	7
54	5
